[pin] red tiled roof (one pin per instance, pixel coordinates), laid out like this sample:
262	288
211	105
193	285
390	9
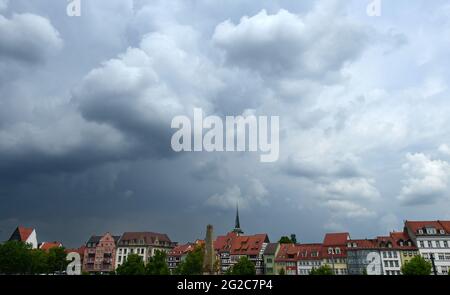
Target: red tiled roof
49	245
363	244
240	245
287	252
295	252
309	251
24	233
414	226
182	249
446	225
336	239
398	237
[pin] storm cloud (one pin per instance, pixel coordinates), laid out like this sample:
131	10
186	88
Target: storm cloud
86	104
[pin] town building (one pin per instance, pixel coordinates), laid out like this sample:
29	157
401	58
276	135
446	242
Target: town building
405	244
144	244
26	235
46	246
432	238
308	258
178	254
334	252
269	256
233	246
363	257
100	254
286	259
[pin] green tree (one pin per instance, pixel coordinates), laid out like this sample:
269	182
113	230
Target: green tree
282	272
38	262
294	238
324	270
244	267
15	258
417	266
133	266
56	261
157	265
285	240
193	264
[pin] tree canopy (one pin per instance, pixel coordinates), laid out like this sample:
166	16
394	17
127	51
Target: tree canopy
417	266
134	265
18	258
244	267
324	270
193	263
157	265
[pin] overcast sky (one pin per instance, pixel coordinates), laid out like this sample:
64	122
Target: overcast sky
86	104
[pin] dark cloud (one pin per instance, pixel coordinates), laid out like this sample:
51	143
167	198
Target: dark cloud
86	105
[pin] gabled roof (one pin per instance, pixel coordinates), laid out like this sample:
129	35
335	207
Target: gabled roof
49	245
149	238
240	245
181	250
399	237
415	226
336	239
309	251
96	239
287	252
271	249
21	234
362	244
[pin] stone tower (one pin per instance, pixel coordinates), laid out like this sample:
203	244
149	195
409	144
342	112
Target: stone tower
209	260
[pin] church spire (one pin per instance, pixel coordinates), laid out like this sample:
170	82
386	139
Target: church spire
237	225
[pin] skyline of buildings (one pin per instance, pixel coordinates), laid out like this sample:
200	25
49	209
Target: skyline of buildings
382	255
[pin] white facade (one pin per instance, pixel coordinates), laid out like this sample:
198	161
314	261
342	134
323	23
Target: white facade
432	238
143	251
439	247
391	263
32	240
304	267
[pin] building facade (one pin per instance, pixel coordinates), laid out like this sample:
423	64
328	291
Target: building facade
269	256
178	254
334	252
144	244
26	235
432	239
100	254
286	259
233	246
308	258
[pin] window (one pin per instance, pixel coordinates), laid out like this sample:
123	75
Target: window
338	251
431	231
445	244
421	244
330	250
396	263
426	244
420	232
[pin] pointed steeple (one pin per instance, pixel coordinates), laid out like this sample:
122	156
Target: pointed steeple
237	225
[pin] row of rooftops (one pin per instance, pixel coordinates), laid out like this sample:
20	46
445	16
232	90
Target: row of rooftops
337	245
235	243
